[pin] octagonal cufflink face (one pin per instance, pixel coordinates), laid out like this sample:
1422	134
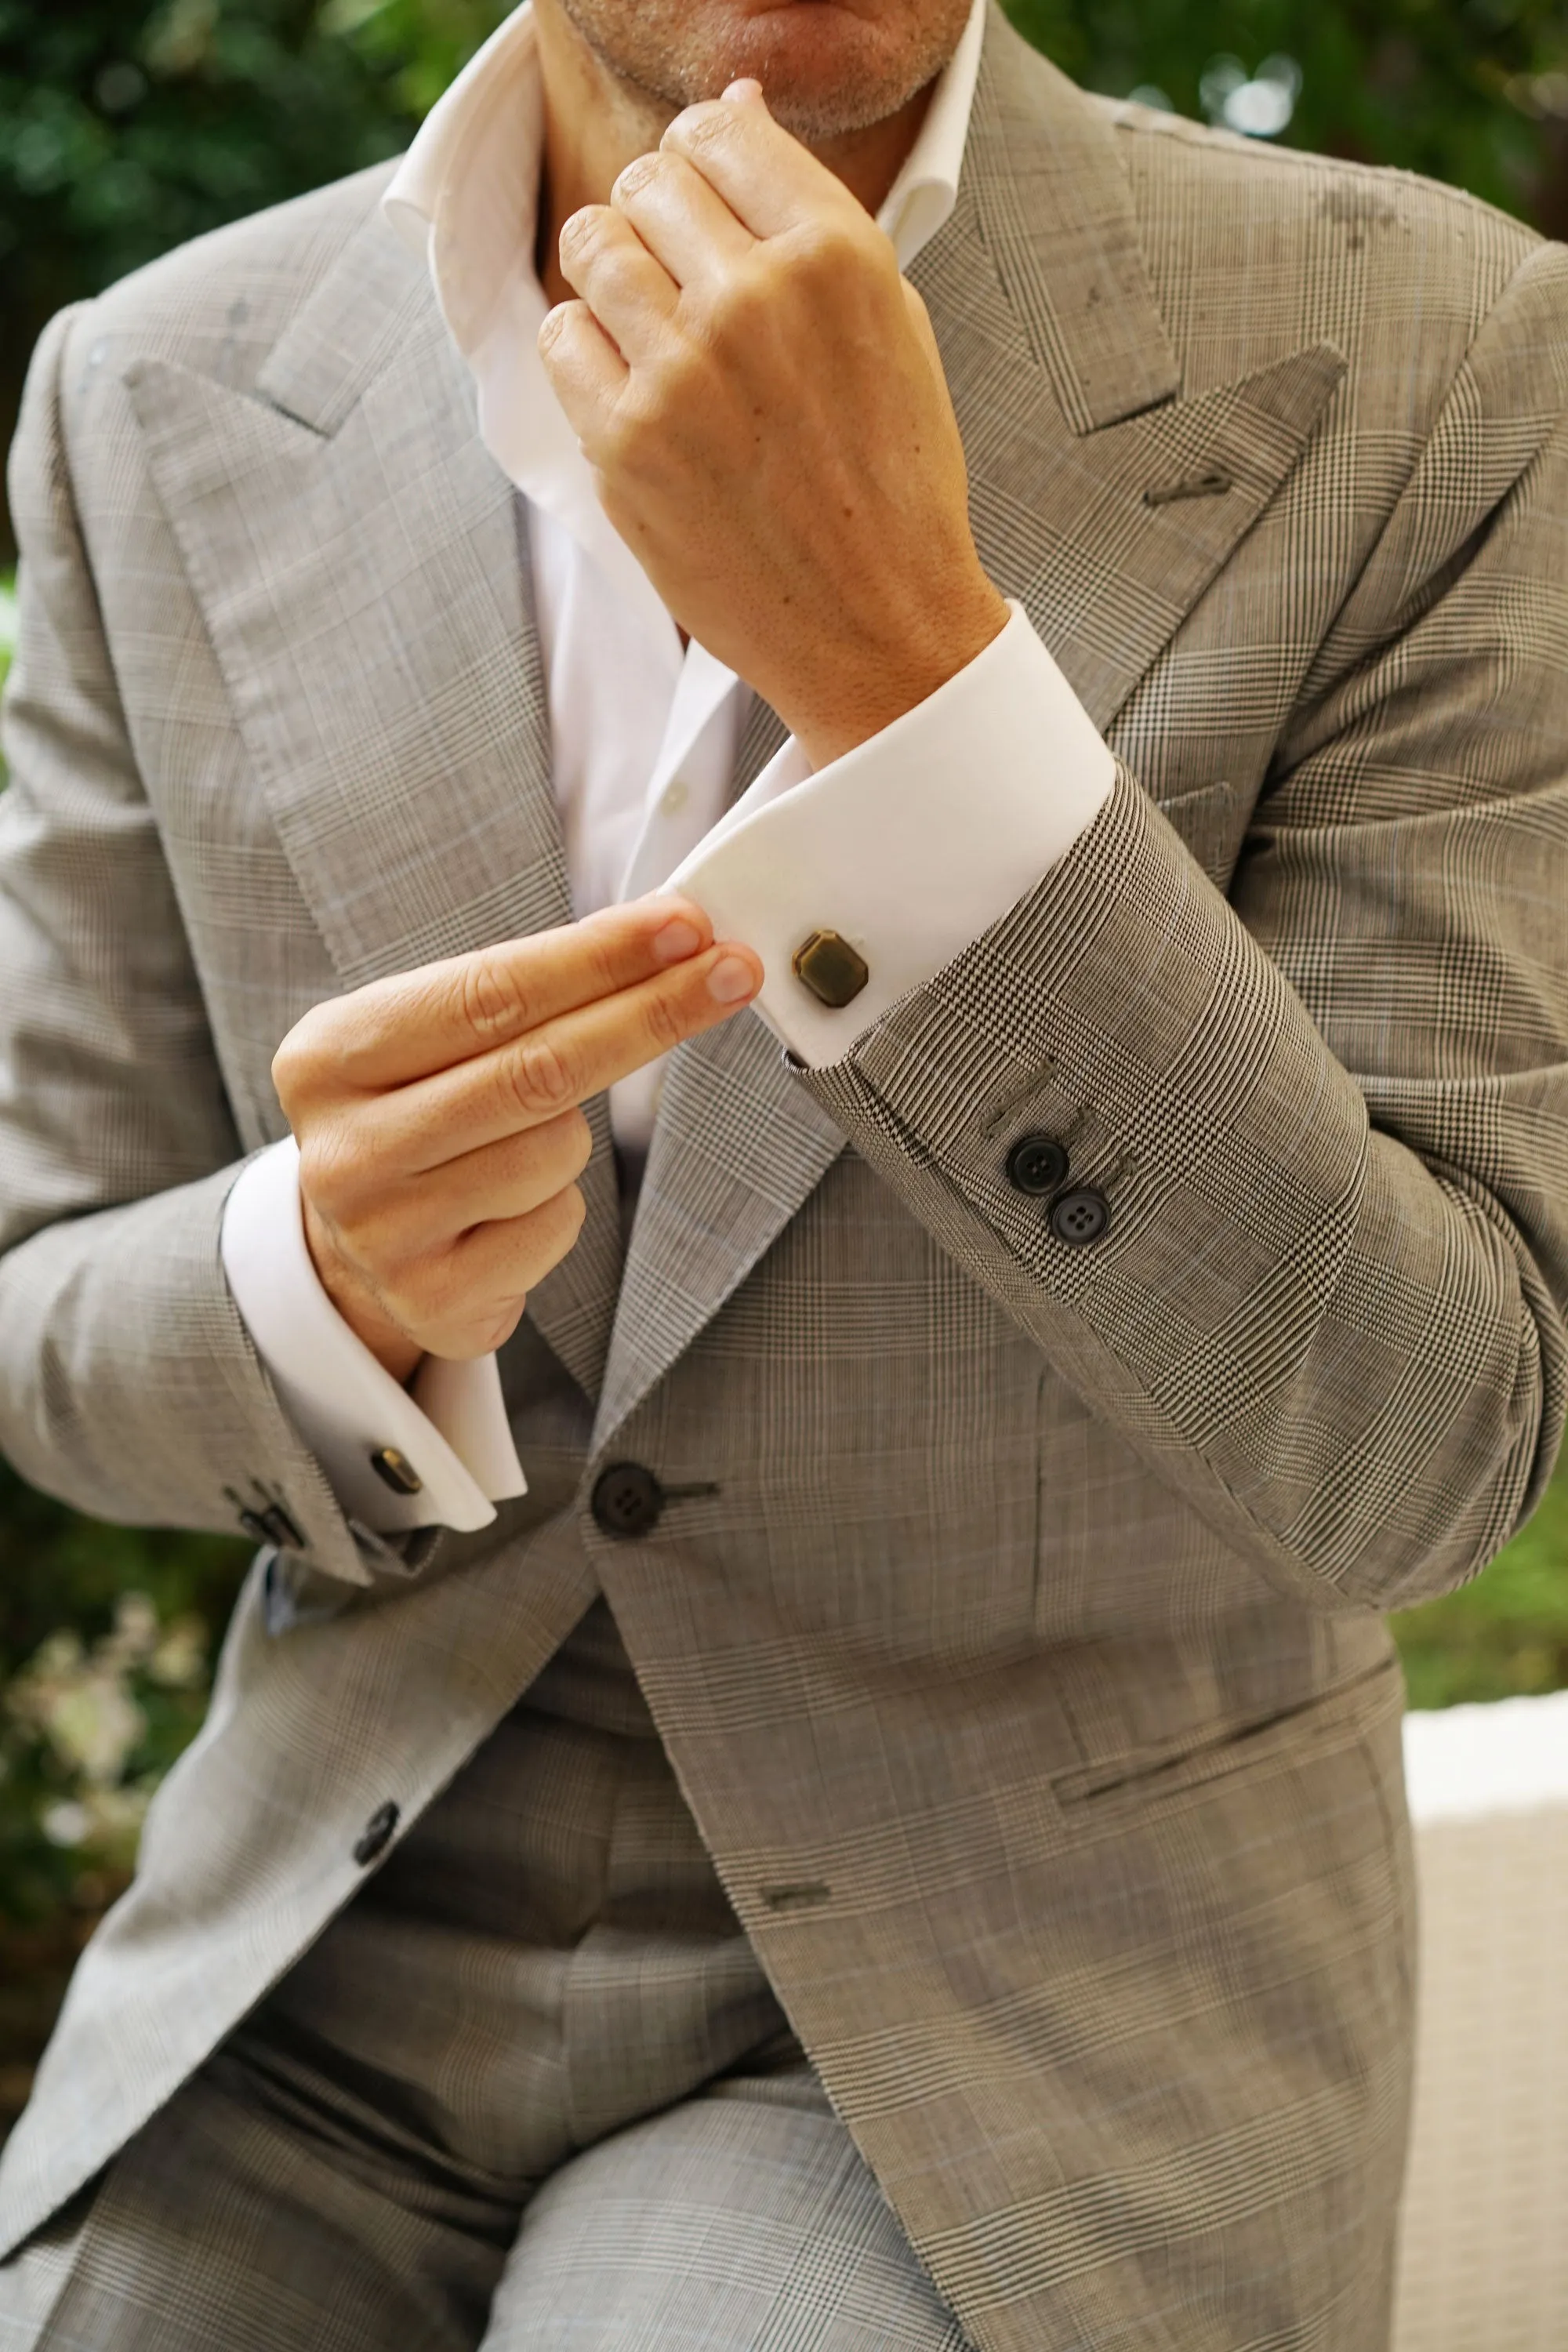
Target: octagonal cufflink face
835	971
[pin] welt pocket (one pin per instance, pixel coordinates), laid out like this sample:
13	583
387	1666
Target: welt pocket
1144	1776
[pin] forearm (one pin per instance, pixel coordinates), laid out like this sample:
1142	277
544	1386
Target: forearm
1349	1362
130	1387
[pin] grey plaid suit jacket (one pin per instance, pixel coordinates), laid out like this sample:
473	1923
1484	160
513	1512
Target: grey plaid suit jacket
1023	1670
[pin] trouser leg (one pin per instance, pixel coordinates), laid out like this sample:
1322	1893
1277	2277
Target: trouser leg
741	2220
263	2213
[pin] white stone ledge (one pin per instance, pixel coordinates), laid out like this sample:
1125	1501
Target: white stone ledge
1462	1763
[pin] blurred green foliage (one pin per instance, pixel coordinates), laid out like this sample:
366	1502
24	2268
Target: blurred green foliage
1473	91
127	127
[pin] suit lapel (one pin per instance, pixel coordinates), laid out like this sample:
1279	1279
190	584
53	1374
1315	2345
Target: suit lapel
356	554
1067	388
737	1147
1102	496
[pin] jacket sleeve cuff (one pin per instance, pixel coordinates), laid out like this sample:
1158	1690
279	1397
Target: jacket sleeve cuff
450	1432
910	846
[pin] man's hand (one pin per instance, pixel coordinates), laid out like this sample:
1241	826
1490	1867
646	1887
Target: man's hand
760	392
436	1113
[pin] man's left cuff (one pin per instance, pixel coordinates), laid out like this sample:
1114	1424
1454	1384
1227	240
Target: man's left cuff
860	882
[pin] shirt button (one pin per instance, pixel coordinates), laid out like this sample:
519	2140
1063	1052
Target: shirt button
675	796
1081	1217
627	1500
1037	1164
376	1835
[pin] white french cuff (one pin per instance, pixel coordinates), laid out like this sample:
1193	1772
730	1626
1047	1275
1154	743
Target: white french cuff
911	844
449	1432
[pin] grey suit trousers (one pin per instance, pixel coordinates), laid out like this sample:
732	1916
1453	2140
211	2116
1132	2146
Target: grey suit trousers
531	2090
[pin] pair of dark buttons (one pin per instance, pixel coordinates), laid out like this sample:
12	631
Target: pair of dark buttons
1037	1165
271	1524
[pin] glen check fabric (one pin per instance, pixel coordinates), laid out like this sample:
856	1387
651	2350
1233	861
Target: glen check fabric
739	2218
572	2116
1021	1666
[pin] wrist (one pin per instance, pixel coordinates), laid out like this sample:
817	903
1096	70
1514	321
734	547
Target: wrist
390	1346
846	706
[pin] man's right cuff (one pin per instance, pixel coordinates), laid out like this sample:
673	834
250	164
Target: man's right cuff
440	1456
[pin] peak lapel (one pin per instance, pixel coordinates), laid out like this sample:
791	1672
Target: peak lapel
356	556
1101	498
737	1147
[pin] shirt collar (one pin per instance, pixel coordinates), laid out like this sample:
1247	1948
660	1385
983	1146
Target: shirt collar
466	197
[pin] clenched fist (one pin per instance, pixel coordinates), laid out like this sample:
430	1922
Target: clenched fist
760	394
438	1119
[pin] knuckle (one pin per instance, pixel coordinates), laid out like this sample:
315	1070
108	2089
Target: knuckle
662	1021
492	1000
639	174
582	230
706	128
301	1058
741	306
826	253
539	1078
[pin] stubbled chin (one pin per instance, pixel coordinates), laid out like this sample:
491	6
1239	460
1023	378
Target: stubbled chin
820	79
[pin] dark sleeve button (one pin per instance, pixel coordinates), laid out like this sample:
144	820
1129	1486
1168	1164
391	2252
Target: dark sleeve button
1081	1217
272	1526
376	1835
627	1500
1037	1164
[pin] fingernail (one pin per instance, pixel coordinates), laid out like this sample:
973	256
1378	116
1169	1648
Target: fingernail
745	88
676	942
731	979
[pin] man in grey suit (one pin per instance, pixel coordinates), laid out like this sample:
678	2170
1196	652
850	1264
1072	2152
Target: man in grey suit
896	1835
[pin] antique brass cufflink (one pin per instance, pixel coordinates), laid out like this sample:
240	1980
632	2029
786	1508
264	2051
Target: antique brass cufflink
833	971
395	1470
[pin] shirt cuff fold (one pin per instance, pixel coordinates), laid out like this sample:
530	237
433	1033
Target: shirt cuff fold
450	1432
910	845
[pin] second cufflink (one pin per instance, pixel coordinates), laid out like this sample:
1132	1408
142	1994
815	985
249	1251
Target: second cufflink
395	1470
835	971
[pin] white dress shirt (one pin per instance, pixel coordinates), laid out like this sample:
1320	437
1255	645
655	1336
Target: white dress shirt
909	846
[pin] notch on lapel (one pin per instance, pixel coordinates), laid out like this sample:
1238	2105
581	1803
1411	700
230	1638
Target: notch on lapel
1100	498
356	557
1066	386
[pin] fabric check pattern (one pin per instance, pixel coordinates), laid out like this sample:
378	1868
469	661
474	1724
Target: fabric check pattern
1020	1659
574	2114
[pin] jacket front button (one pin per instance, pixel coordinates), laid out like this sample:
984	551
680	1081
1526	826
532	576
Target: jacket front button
1081	1217
1037	1164
627	1500
376	1835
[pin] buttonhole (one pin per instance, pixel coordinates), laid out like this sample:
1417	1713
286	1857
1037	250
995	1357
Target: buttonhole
804	1897
1212	485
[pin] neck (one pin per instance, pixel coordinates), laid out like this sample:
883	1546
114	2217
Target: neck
595	124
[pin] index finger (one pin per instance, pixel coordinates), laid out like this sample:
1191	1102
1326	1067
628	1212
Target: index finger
420	1022
769	181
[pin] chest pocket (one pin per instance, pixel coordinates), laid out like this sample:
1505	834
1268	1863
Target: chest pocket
1213	822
